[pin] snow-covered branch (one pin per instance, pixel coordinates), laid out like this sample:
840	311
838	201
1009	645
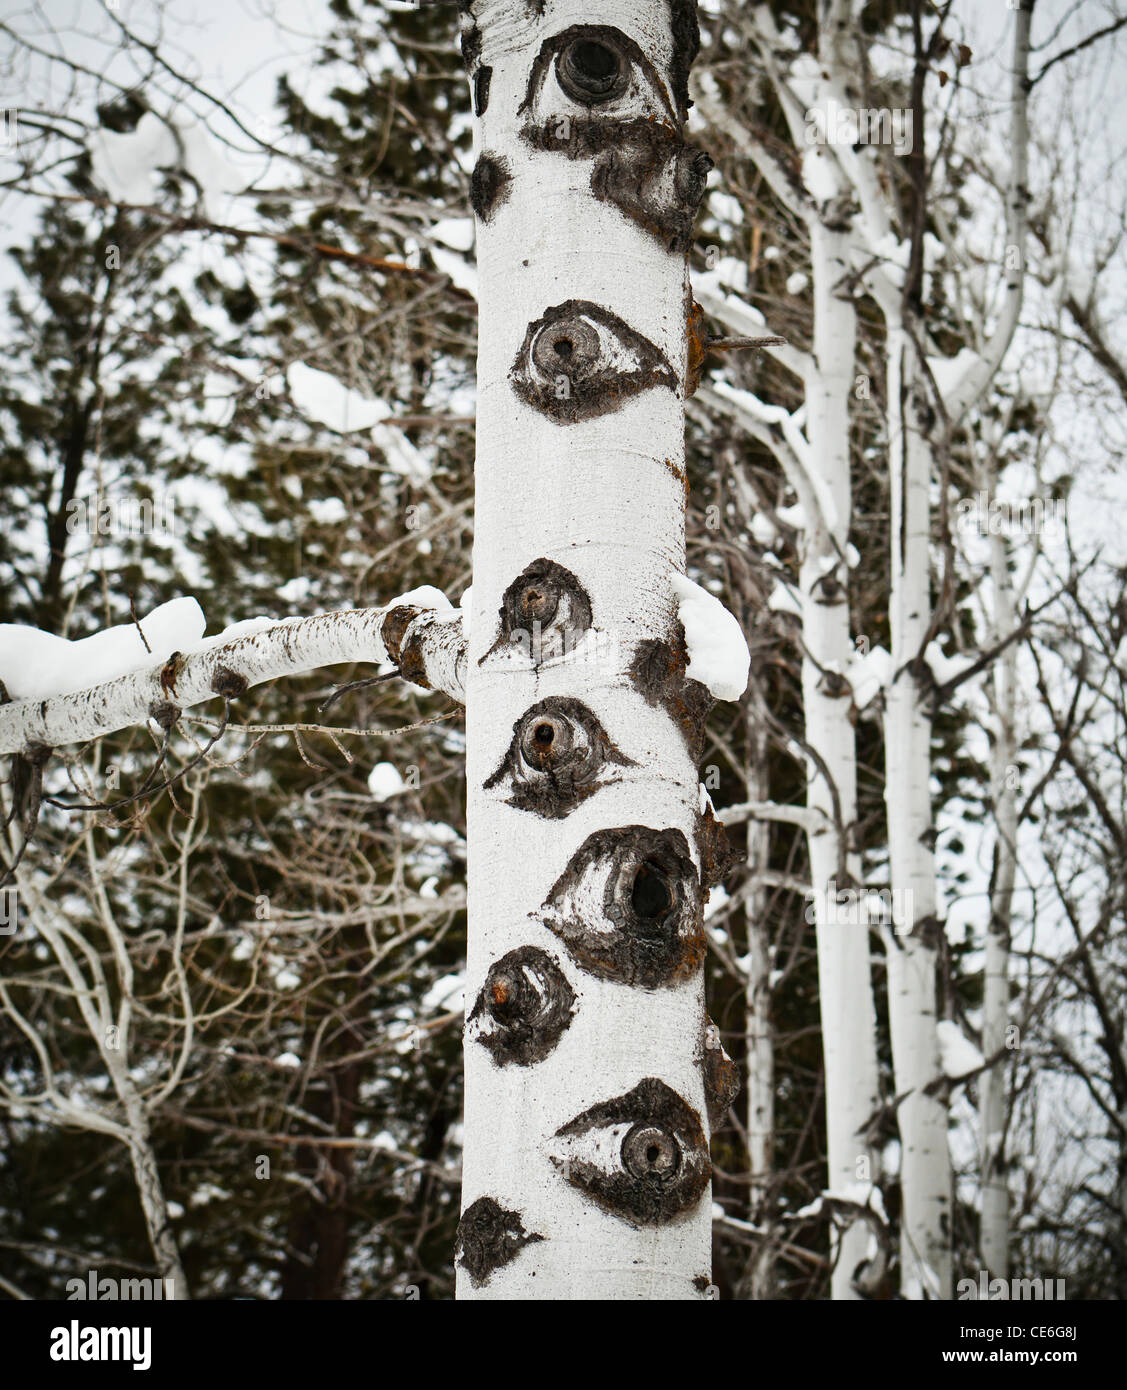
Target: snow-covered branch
427	644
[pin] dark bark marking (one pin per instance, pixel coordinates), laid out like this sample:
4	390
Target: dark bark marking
412	662
481	80
228	683
165	713
525	1007
661	1167
489	1236
545	610
697	333
554	762
489	185
686	46
828	589
721	1075
395	625
658	673
717	857
660	189
628	907
574	50
567	366
639	164
470	42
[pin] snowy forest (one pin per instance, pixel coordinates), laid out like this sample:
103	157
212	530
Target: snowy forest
563	649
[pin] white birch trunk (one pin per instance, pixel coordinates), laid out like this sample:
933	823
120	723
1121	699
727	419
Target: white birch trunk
911	947
818	467
760	1045
844	975
550	1215
994	1238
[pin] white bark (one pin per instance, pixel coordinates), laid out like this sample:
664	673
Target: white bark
289	648
844	975
912	954
603	497
817	466
994	1238
911	947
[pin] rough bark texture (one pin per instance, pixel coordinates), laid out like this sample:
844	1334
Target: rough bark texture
599	1147
760	1047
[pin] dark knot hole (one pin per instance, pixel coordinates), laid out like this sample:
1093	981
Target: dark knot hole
651	896
544	734
595	61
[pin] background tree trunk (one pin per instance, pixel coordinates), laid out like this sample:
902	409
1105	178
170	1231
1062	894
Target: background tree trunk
912	946
845	987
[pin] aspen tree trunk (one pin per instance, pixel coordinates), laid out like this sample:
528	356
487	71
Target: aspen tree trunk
994	1239
818	467
760	1049
912	948
844	976
586	1171
912	945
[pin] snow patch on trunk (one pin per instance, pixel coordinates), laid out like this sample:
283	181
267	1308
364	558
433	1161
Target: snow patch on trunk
718	653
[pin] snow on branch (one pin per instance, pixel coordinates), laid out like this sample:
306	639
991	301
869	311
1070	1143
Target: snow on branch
427	643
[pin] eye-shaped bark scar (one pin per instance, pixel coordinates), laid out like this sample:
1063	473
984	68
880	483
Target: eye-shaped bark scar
489	185
579	361
524	1008
658	674
557	757
642	1156
639	164
721	1075
489	1236
628	907
596	66
608	104
545	613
